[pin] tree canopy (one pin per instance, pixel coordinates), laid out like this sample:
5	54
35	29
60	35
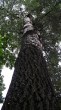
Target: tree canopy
47	20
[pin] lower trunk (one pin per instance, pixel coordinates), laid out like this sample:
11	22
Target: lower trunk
30	88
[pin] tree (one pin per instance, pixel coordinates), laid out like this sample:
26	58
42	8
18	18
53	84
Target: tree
48	14
31	87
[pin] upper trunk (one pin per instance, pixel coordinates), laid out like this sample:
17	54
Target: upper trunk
31	87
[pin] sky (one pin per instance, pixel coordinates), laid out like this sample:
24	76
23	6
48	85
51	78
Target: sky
7	73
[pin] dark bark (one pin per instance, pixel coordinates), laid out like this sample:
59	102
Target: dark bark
30	88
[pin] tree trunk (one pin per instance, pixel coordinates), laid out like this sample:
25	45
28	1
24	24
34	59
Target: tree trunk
31	87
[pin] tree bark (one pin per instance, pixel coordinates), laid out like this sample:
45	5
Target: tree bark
31	87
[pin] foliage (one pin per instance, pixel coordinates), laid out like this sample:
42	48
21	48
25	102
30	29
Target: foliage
2	87
47	20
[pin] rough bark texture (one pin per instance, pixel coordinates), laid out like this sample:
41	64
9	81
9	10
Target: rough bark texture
30	88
